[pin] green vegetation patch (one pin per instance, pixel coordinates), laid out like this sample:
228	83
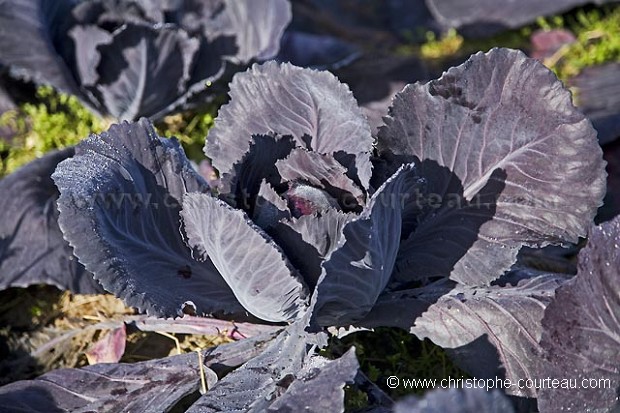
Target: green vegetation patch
598	40
55	121
190	129
52	121
597	31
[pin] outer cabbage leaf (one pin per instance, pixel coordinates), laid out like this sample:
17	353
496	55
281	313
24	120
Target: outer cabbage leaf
257	26
32	248
319	386
232	31
26	42
314	108
581	330
431	247
401	308
502	112
611	207
509	317
117	56
144	69
456	401
254	267
107	387
150	386
257	385
485	17
597	94
358	270
119	208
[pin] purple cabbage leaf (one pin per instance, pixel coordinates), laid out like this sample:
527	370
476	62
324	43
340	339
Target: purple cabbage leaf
131	203
597	94
581	330
215	231
492	332
37	23
142	69
510	163
489	201
287	376
150	386
320	385
32	247
120	203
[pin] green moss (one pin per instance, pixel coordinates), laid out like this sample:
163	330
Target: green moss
354	399
55	121
452	45
52	121
190	129
598	40
514	39
434	48
447	45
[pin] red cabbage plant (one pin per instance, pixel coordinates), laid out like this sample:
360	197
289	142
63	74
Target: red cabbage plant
315	223
128	59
